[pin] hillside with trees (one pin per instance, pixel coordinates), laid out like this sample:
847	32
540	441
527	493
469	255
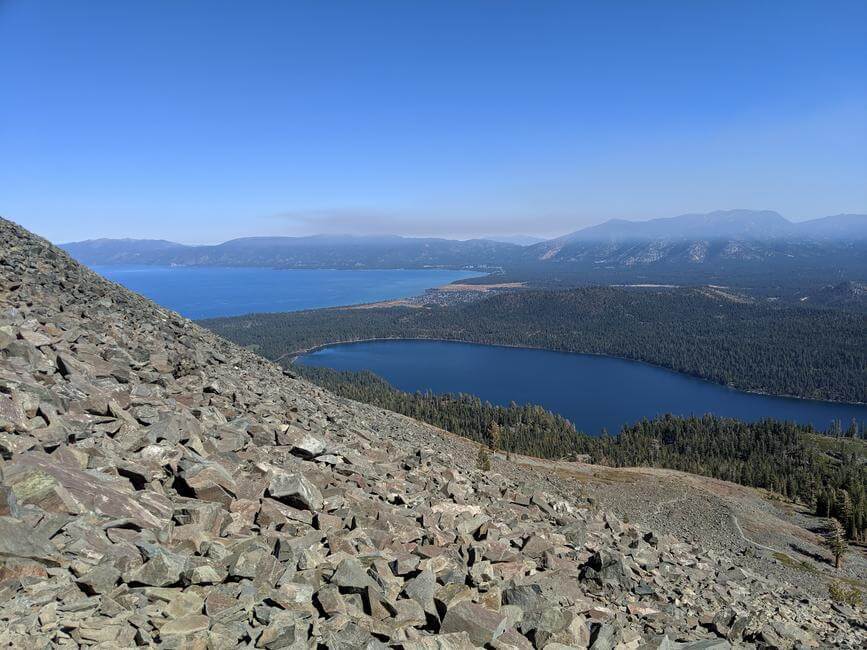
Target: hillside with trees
703	332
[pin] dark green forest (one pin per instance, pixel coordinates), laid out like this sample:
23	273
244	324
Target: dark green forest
528	429
703	332
788	459
828	474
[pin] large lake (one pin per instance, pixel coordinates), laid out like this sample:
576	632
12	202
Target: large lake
208	292
594	392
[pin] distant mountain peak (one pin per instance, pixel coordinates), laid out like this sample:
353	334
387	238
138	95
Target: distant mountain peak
719	241
739	223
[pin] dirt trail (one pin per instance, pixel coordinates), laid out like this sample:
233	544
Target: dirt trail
747	539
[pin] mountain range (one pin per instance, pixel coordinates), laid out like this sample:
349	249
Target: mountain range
754	225
715	246
317	251
723	242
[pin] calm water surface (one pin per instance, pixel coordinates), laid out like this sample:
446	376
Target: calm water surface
208	292
594	392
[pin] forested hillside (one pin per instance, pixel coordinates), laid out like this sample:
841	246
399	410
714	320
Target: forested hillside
828	474
703	332
528	428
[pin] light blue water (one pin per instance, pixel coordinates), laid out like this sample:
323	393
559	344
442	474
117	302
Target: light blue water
594	392
207	292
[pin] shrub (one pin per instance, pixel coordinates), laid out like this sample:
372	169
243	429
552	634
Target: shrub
848	595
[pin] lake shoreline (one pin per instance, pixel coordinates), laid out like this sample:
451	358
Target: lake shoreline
293	356
206	292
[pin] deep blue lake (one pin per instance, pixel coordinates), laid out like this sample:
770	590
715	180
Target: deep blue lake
594	392
208	292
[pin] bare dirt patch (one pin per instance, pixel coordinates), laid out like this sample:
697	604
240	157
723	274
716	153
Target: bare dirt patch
481	287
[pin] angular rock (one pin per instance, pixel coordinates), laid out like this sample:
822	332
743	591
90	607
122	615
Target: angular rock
482	625
100	579
455	641
161	570
351	575
185	626
306	445
295	490
19	540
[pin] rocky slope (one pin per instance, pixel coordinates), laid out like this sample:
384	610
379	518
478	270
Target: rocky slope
160	486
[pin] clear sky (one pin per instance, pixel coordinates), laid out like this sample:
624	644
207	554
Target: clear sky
201	121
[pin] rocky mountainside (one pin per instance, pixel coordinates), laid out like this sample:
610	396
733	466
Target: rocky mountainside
728	239
744	225
160	486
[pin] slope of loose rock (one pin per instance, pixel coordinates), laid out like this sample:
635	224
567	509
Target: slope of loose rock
767	535
160	486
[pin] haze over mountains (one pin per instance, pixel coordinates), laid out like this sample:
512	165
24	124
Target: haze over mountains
317	251
716	245
726	241
758	225
521	240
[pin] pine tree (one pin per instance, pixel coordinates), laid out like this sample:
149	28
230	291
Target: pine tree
483	460
494	435
835	540
843	509
823	505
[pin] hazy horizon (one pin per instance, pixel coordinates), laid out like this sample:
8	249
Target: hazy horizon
489	236
198	122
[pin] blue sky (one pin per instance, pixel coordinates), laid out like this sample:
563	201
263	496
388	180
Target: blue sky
201	121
